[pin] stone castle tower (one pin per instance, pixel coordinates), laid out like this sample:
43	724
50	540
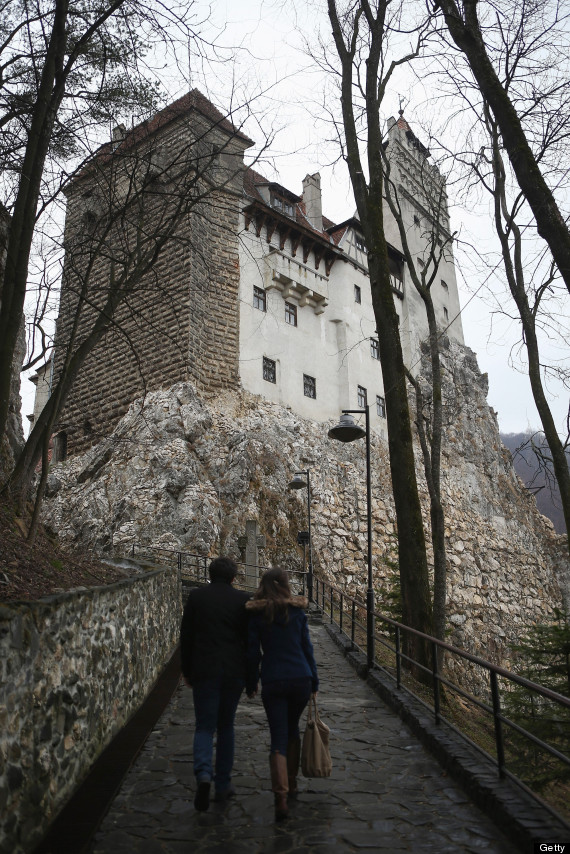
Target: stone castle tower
152	223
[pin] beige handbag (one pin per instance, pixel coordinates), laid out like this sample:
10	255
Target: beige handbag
315	754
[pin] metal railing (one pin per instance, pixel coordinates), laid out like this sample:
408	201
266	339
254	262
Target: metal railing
392	644
194	567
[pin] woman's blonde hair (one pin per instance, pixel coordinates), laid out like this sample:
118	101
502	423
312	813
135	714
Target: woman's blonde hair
274	589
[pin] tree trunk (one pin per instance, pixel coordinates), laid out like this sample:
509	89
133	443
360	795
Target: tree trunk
550	223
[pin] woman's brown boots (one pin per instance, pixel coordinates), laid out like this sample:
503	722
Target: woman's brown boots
293	759
279	784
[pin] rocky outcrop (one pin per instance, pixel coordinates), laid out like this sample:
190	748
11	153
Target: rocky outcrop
186	473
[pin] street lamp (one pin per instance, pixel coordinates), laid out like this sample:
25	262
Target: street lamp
348	431
300	482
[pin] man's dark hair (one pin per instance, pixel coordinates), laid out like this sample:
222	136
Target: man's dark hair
223	569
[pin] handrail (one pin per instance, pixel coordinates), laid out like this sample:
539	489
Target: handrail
201	562
346	607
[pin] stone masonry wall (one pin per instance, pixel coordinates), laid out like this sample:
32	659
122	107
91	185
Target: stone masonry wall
181	320
187	474
74	667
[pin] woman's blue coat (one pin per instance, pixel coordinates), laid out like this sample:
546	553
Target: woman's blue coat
282	648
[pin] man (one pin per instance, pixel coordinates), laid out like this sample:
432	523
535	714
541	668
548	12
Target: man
213	640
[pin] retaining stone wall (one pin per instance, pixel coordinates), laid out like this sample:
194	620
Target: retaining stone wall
74	667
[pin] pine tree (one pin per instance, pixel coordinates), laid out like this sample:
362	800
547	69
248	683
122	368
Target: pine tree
543	657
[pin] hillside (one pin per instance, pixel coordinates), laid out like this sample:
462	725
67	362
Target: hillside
542	484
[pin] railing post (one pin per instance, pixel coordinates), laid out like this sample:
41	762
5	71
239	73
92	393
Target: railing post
435	681
398	659
133	549
179	561
498	726
341	606
370	628
332	605
353	623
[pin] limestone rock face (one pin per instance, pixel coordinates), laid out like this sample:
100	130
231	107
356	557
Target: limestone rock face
187	473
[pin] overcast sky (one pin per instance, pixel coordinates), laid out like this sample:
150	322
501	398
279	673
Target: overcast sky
265	58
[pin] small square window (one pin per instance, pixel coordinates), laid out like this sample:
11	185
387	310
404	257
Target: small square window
357	294
375	348
309	386
291	313
359	242
269	370
362	397
380	406
259	299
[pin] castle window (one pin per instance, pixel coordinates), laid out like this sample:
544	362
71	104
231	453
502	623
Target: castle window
59	452
281	205
362	397
444	285
445	313
357	294
359	242
269	370
380	406
309	386
416	221
375	348
290	314
259	299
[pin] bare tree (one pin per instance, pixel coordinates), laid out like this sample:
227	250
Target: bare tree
518	54
429	413
493	175
513	97
359	32
66	68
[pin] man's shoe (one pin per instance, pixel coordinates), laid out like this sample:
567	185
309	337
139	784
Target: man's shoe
202	798
224	795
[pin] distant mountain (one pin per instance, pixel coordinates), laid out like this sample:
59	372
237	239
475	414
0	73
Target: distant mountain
531	472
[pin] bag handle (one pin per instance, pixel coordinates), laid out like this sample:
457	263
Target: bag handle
312	702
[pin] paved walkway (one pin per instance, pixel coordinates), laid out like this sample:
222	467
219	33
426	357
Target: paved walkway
386	793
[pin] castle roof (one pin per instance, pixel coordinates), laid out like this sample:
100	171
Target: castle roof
193	101
253	180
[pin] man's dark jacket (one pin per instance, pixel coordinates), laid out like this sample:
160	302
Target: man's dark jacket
213	634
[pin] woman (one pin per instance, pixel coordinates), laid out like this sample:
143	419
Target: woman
279	641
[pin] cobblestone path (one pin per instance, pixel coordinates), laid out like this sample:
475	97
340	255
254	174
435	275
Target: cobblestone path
386	793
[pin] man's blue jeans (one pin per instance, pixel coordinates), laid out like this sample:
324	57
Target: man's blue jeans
215	704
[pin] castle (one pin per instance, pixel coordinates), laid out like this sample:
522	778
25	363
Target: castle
252	285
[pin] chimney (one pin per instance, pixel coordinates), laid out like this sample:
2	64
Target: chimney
312	200
118	133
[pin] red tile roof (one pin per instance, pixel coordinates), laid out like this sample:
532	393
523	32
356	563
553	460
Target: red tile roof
253	179
193	100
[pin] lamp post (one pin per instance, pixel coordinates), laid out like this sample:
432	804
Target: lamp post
348	431
300	482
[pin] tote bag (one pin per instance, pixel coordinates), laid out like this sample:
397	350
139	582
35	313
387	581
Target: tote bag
315	754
